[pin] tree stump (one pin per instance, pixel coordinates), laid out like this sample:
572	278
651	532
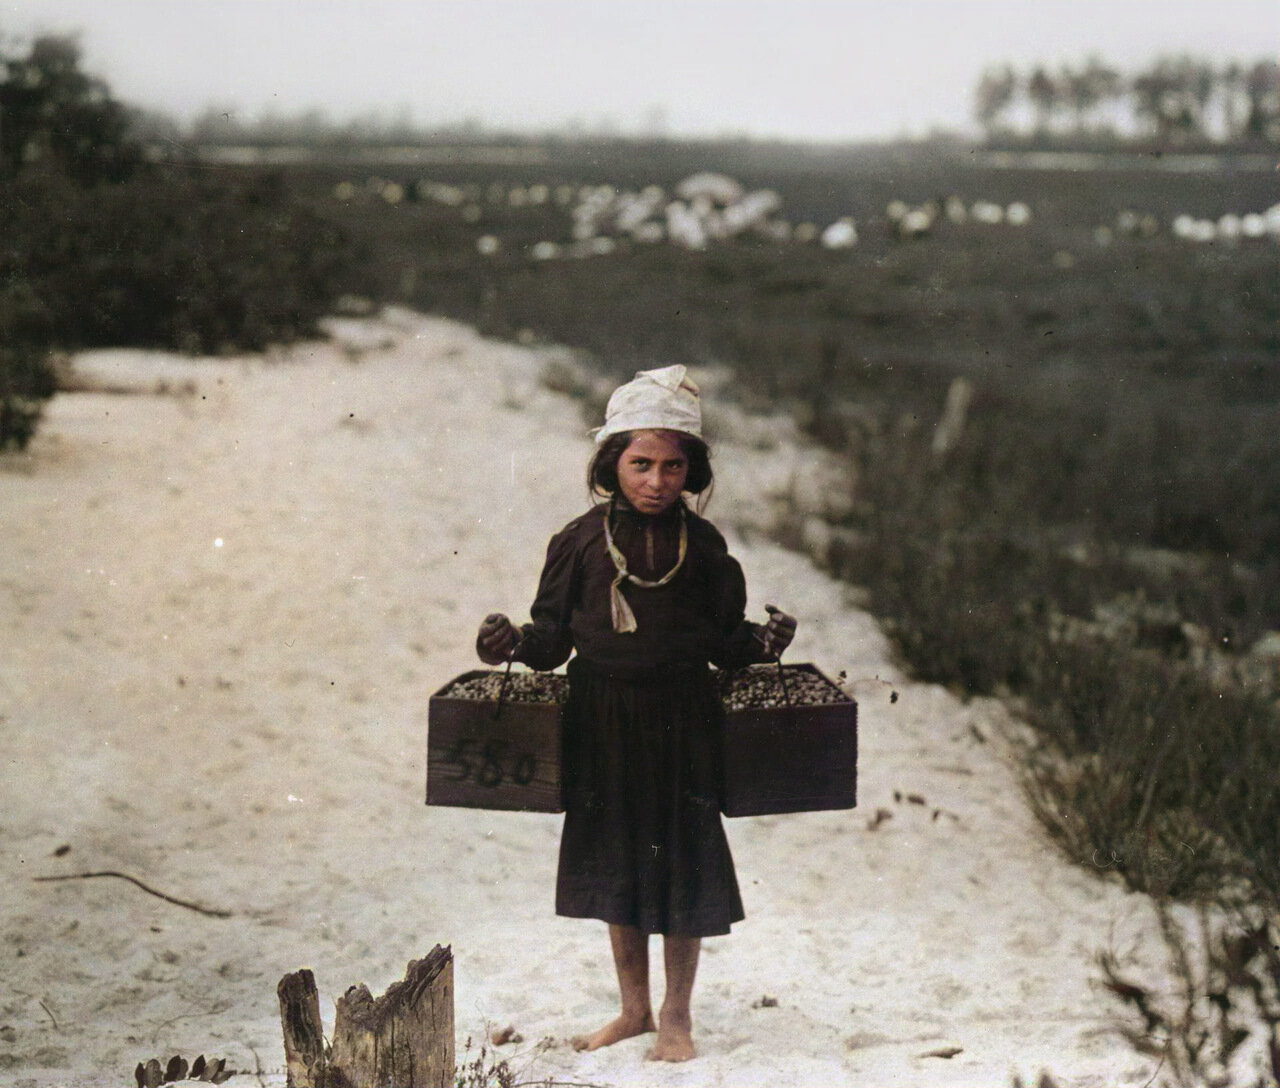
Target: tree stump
304	1053
404	1039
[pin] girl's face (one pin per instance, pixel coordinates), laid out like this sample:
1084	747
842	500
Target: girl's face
652	471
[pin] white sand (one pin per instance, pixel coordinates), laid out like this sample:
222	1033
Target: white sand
225	608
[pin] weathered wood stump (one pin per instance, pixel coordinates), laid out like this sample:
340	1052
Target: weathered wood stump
304	1052
403	1039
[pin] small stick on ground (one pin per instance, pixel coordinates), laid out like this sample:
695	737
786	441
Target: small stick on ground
258	1070
40	1000
155	1035
212	913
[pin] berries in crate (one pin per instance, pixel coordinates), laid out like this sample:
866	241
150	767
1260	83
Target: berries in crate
790	741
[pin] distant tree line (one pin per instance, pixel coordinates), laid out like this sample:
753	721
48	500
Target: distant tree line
1177	100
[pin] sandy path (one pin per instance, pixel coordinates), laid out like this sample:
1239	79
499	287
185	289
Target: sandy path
223	613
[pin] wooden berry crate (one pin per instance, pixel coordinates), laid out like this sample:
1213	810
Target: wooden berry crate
797	758
480	755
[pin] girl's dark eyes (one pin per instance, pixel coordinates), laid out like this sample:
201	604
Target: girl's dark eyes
642	464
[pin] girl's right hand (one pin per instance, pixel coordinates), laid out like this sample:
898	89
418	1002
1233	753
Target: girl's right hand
496	640
778	632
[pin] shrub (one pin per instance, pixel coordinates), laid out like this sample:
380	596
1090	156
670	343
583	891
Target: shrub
63	123
26	382
99	249
1149	768
1220	1028
174	258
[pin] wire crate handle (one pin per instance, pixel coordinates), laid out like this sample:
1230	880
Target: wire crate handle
506	681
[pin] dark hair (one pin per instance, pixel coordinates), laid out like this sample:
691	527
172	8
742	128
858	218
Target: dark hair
602	472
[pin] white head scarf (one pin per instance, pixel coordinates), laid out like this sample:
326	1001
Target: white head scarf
655	400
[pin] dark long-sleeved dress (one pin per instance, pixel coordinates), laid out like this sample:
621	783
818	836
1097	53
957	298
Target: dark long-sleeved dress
643	844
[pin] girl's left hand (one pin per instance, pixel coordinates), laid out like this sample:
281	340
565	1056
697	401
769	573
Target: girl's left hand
779	631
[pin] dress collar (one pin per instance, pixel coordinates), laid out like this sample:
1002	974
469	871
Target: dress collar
624	620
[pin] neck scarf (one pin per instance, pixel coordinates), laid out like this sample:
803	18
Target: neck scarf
624	620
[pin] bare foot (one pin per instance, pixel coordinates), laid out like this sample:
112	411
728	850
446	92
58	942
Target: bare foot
624	1027
675	1041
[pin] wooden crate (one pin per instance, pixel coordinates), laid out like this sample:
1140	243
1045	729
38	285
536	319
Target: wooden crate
480	756
791	758
776	759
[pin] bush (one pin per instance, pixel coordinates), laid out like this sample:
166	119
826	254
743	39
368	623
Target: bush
63	123
26	382
173	258
99	249
1150	769
1155	759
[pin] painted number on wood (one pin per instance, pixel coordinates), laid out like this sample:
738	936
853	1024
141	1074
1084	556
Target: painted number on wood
490	763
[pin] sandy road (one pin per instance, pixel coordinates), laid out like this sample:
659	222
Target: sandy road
224	608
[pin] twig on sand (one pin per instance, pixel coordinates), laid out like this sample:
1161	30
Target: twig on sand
155	1035
211	912
258	1070
40	1000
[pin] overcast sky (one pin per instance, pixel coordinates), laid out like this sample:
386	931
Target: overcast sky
809	69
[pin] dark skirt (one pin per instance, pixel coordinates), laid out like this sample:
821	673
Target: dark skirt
643	844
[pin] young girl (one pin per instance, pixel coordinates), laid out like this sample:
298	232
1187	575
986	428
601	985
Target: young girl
646	593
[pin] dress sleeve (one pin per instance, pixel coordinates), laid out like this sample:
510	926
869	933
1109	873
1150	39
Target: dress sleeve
739	643
547	641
